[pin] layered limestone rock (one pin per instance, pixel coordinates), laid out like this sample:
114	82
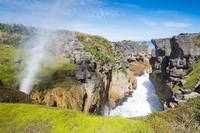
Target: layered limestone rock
170	61
59	97
120	87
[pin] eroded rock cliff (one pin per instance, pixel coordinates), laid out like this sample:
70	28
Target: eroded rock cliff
103	79
172	61
78	71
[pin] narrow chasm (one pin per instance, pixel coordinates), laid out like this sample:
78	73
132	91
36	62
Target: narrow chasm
142	102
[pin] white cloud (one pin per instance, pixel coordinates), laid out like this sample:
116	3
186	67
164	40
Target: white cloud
176	24
165	12
148	22
127	5
99	13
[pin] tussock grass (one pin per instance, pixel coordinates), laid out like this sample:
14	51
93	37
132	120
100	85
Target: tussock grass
34	118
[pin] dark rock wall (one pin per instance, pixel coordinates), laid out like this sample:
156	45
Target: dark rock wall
173	56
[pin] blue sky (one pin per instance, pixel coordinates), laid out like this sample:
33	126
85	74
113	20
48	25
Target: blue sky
115	20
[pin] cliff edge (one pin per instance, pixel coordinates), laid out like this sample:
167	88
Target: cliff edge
172	61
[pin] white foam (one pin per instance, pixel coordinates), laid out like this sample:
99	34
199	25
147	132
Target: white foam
142	102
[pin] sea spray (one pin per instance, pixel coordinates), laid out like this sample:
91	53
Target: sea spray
141	103
35	49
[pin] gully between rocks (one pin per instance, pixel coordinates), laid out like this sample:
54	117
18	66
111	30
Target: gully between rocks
142	102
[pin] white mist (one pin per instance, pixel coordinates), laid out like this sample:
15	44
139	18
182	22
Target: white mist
36	47
142	102
36	50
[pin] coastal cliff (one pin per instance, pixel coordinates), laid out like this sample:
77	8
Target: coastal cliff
173	61
104	80
79	71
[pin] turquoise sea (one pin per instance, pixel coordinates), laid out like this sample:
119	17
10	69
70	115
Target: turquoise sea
148	43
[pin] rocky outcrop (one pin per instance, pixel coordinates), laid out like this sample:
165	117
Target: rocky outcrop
170	60
120	87
104	72
101	85
135	56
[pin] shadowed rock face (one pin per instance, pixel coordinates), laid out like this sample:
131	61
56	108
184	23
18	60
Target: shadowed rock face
173	56
11	95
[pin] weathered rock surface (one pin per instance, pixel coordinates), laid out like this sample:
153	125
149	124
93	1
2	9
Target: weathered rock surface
100	80
173	56
100	86
59	97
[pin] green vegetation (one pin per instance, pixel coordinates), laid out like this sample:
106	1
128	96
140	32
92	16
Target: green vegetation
14	33
98	46
124	70
193	76
176	88
7	67
126	41
52	73
34	118
184	118
157	72
196	39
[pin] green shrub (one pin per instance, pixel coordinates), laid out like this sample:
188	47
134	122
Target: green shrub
157	72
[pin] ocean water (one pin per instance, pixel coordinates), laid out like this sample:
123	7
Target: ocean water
148	43
142	102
